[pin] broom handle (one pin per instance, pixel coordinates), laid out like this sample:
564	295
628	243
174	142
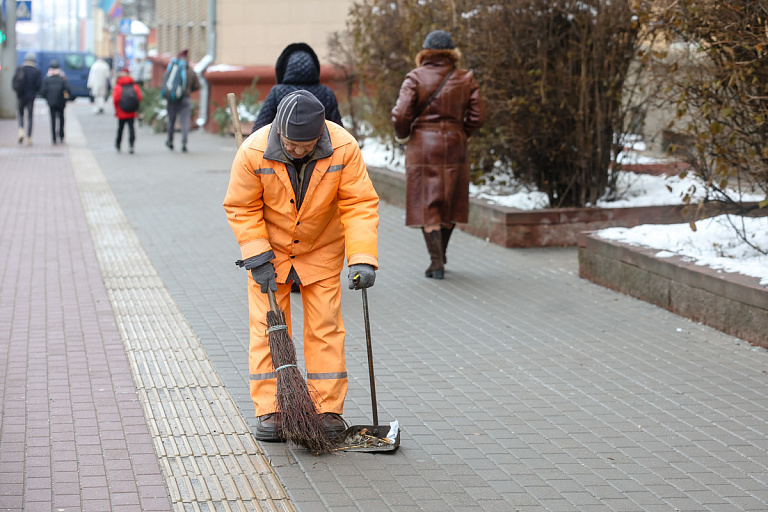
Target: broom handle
233	114
370	356
232	100
272	301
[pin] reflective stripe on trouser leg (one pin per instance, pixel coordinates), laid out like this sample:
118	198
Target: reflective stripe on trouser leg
263	380
324	343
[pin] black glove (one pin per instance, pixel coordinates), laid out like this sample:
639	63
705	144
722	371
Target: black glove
361	276
265	275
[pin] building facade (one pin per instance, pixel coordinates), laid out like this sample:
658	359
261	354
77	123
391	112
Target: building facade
247	36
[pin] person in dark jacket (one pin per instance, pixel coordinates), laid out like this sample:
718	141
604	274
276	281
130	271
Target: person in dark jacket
297	68
56	92
124	80
26	93
436	132
182	107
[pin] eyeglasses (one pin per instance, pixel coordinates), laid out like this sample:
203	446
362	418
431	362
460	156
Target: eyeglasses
292	145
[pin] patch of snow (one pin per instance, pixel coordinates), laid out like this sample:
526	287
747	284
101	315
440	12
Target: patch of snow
636	189
379	155
713	244
223	67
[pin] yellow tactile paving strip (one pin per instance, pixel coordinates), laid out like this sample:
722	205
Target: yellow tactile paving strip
208	455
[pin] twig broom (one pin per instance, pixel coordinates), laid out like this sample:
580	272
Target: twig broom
300	420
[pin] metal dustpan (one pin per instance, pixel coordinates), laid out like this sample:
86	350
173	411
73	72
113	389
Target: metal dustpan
369	438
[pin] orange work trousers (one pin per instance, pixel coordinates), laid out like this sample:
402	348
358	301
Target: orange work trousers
324	356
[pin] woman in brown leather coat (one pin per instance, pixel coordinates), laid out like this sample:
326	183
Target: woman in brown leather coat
439	107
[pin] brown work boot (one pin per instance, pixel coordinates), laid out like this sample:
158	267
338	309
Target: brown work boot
434	241
269	428
333	423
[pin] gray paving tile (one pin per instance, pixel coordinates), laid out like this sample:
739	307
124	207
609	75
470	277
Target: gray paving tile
554	373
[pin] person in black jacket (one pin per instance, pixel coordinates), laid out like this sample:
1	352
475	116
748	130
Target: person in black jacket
26	89
297	68
56	92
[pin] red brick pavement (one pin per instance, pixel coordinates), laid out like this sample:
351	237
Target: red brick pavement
72	431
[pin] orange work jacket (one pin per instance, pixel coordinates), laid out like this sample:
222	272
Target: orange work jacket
339	208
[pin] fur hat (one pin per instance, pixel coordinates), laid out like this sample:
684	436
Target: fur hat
439	40
300	116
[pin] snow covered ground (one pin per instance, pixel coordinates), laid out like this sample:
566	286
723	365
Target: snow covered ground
714	243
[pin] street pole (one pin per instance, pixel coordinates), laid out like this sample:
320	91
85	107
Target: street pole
80	26
8	61
69	25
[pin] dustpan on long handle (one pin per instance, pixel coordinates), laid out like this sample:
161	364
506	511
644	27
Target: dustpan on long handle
375	437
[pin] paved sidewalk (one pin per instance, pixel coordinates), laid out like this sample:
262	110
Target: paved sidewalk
174	437
518	385
73	435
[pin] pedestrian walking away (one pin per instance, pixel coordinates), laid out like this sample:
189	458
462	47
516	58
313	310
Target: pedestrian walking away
98	84
127	98
438	108
141	71
299	196
297	68
56	92
26	83
179	81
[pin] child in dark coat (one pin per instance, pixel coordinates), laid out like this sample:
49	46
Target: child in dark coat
126	107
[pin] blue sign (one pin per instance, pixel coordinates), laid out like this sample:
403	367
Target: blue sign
24	10
125	26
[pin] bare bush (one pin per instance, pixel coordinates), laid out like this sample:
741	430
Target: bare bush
341	53
716	75
553	74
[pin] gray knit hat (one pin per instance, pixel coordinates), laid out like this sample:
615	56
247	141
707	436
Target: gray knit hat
439	40
30	57
300	116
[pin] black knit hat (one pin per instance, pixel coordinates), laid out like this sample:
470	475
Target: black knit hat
439	40
53	64
300	116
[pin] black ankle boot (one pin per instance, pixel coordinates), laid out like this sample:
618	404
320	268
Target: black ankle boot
435	248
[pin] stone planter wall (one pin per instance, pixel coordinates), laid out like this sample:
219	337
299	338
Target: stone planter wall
510	227
730	302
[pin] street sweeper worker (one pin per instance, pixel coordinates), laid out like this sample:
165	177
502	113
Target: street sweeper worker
299	195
